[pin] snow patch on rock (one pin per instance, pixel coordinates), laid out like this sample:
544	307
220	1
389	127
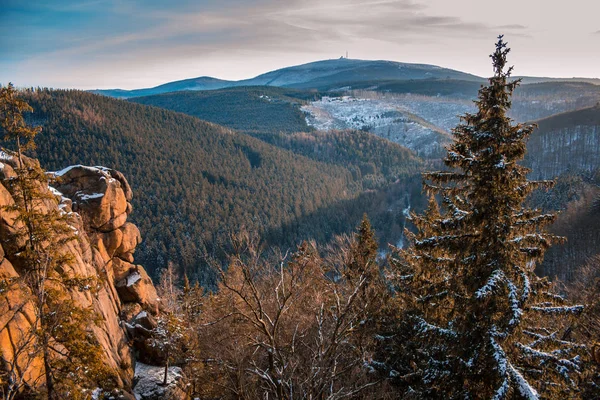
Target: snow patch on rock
133	279
149	380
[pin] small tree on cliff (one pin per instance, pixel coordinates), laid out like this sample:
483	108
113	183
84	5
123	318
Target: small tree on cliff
486	326
169	335
71	357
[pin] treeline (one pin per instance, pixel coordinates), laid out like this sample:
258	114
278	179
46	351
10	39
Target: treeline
194	181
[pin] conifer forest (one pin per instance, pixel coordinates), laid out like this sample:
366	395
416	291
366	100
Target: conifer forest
342	229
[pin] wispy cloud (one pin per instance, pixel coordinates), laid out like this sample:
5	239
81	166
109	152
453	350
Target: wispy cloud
267	25
143	35
512	26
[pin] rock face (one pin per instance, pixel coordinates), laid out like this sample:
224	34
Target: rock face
99	198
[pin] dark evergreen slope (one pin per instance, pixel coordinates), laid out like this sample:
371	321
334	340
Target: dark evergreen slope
246	108
427	87
565	142
369	157
195	182
579	221
566	147
585	117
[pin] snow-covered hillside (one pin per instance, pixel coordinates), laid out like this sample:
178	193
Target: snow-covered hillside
417	122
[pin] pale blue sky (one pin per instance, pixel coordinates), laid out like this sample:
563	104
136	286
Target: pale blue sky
141	43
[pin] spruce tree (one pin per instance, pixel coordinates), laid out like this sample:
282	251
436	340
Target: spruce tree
485	326
361	258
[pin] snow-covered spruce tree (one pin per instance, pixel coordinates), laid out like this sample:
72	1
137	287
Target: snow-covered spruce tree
485	326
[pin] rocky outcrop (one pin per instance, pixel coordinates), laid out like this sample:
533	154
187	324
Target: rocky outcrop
98	199
101	196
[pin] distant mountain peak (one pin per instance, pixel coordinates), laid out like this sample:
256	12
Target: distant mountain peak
313	75
325	75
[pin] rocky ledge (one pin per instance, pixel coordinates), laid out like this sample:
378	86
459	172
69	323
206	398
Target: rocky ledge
99	199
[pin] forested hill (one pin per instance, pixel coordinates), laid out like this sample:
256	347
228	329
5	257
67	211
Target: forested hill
196	181
568	141
249	108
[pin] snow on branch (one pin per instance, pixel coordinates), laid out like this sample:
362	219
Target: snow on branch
424	327
438	240
563	365
526	286
515	305
537	220
499	354
502	390
495	278
524	388
527	237
577	309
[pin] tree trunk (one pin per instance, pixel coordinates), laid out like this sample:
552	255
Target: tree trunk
48	373
166	370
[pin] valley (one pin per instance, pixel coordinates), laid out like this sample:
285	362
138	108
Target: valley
297	166
299	200
417	112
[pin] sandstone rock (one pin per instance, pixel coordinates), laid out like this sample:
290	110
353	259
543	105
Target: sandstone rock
131	238
6	171
121	269
129	311
126	257
137	287
106	242
145	320
113	223
9	227
7	271
121	178
6	217
112	241
10	159
98	196
99	246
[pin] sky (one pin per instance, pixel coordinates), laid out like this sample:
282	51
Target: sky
90	44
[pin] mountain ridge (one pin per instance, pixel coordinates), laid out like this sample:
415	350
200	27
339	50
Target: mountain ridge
305	76
325	73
